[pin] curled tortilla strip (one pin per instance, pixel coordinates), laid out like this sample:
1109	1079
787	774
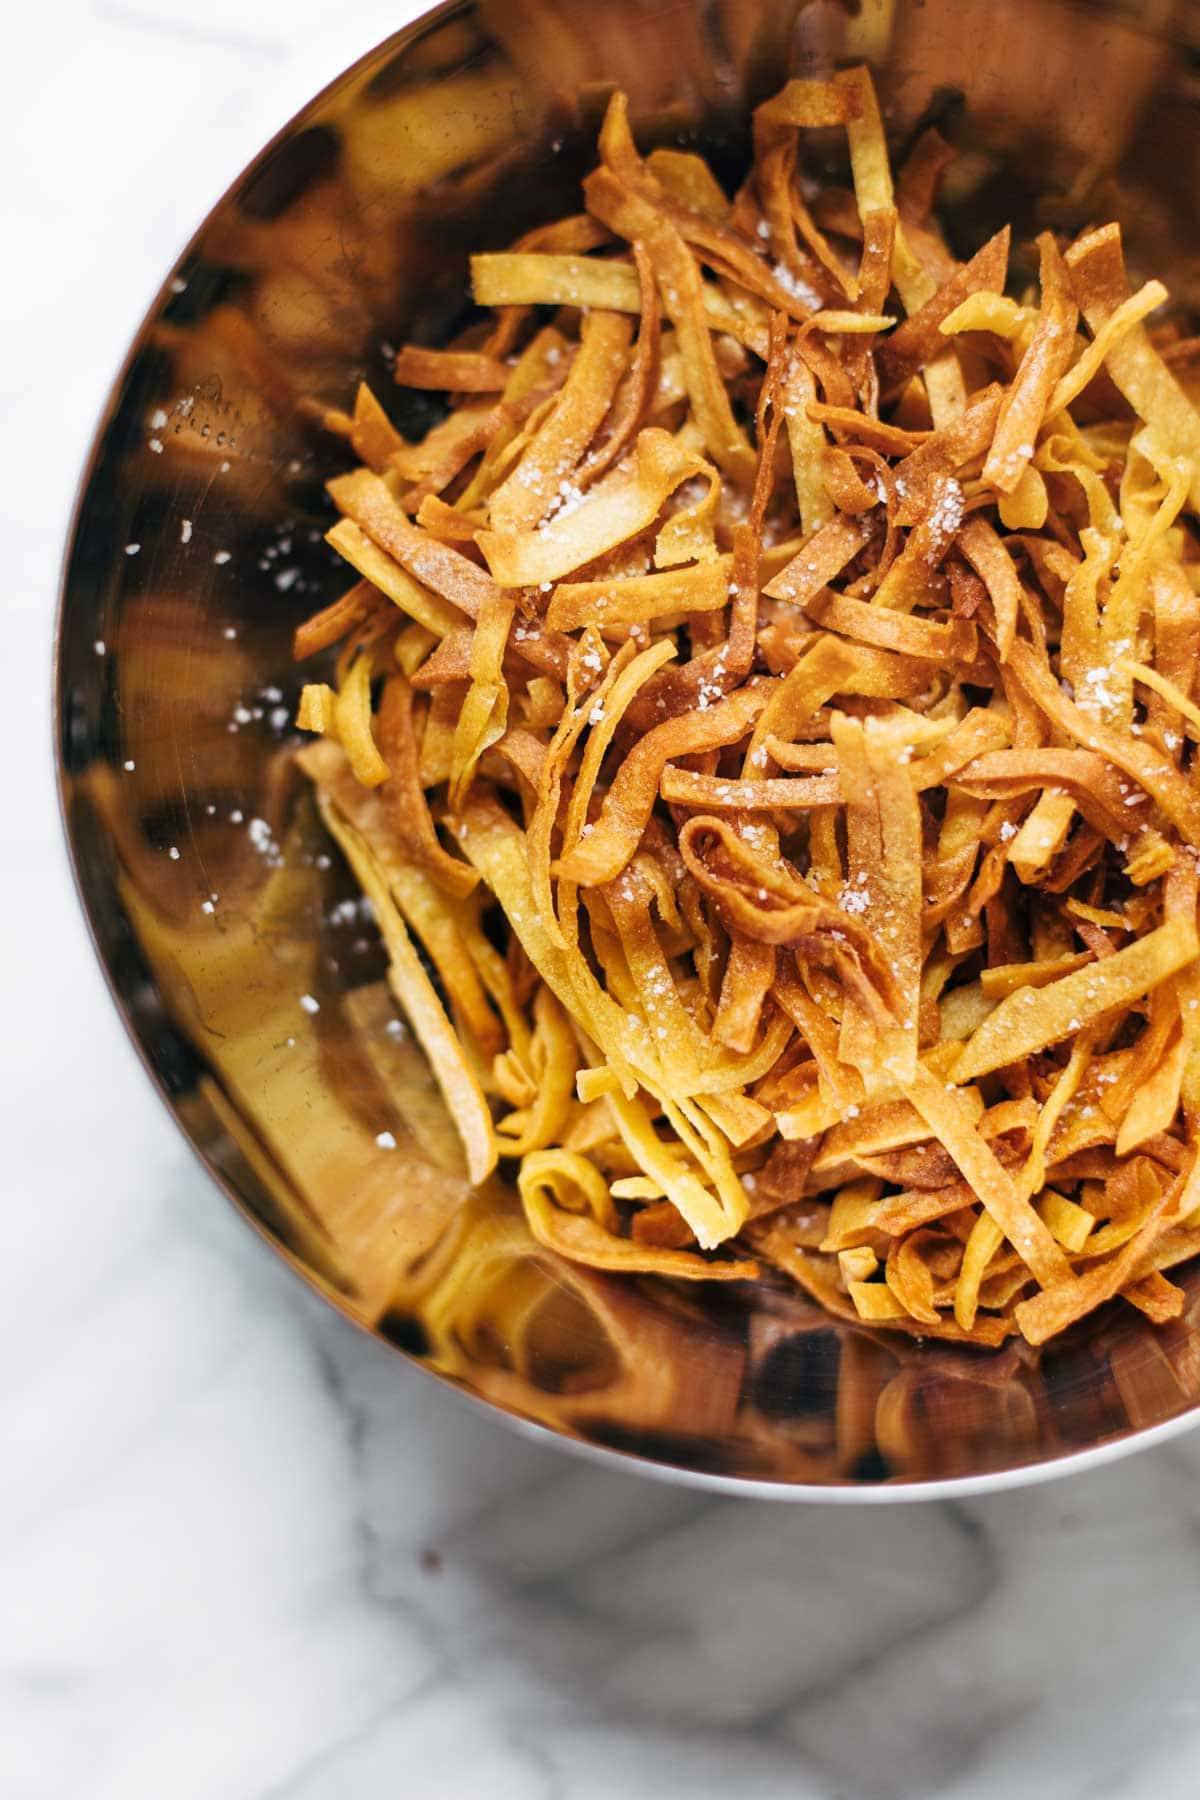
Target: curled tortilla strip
620	506
682	294
1096	266
627	806
996	569
580	1237
484	716
1048	1313
550	1060
1084	370
331	624
1134	756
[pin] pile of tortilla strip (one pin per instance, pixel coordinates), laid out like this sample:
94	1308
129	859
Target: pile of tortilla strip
764	726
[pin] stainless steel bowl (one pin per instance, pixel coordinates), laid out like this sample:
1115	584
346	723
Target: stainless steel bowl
249	986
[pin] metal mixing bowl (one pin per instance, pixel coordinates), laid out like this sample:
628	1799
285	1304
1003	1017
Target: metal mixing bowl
244	971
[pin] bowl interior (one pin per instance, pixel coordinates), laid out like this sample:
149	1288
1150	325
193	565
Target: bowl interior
247	973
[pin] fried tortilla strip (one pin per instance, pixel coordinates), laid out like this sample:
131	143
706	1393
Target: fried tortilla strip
1025	404
332	623
943	1109
1032	1019
638	599
365	499
994	565
883	885
1096	266
581	1237
459	371
682	293
954	640
404	795
623	504
1134	756
1048	1313
919	339
713	793
628	804
416	995
541	478
823	557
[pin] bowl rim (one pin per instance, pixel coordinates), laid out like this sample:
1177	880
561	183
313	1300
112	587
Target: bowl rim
834	1493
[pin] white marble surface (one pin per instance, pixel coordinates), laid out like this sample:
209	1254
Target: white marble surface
246	1555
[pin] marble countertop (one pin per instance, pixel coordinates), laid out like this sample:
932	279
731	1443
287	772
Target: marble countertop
244	1553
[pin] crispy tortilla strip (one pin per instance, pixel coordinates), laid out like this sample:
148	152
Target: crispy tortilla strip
373	437
461	371
628	804
682	293
883	885
524	278
749	978
806	441
1025	404
483	718
416	995
1096	266
404	795
1005	978
1156	1101
618	508
919	339
686	787
332	623
823	557
943	1109
1165	689
1081	776
1134	756
944	455
642	386
541	478
580	1238
365	499
1049	1313
1084	370
993	564
638	599
504	278
954	640
345	716
388	578
1032	1019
